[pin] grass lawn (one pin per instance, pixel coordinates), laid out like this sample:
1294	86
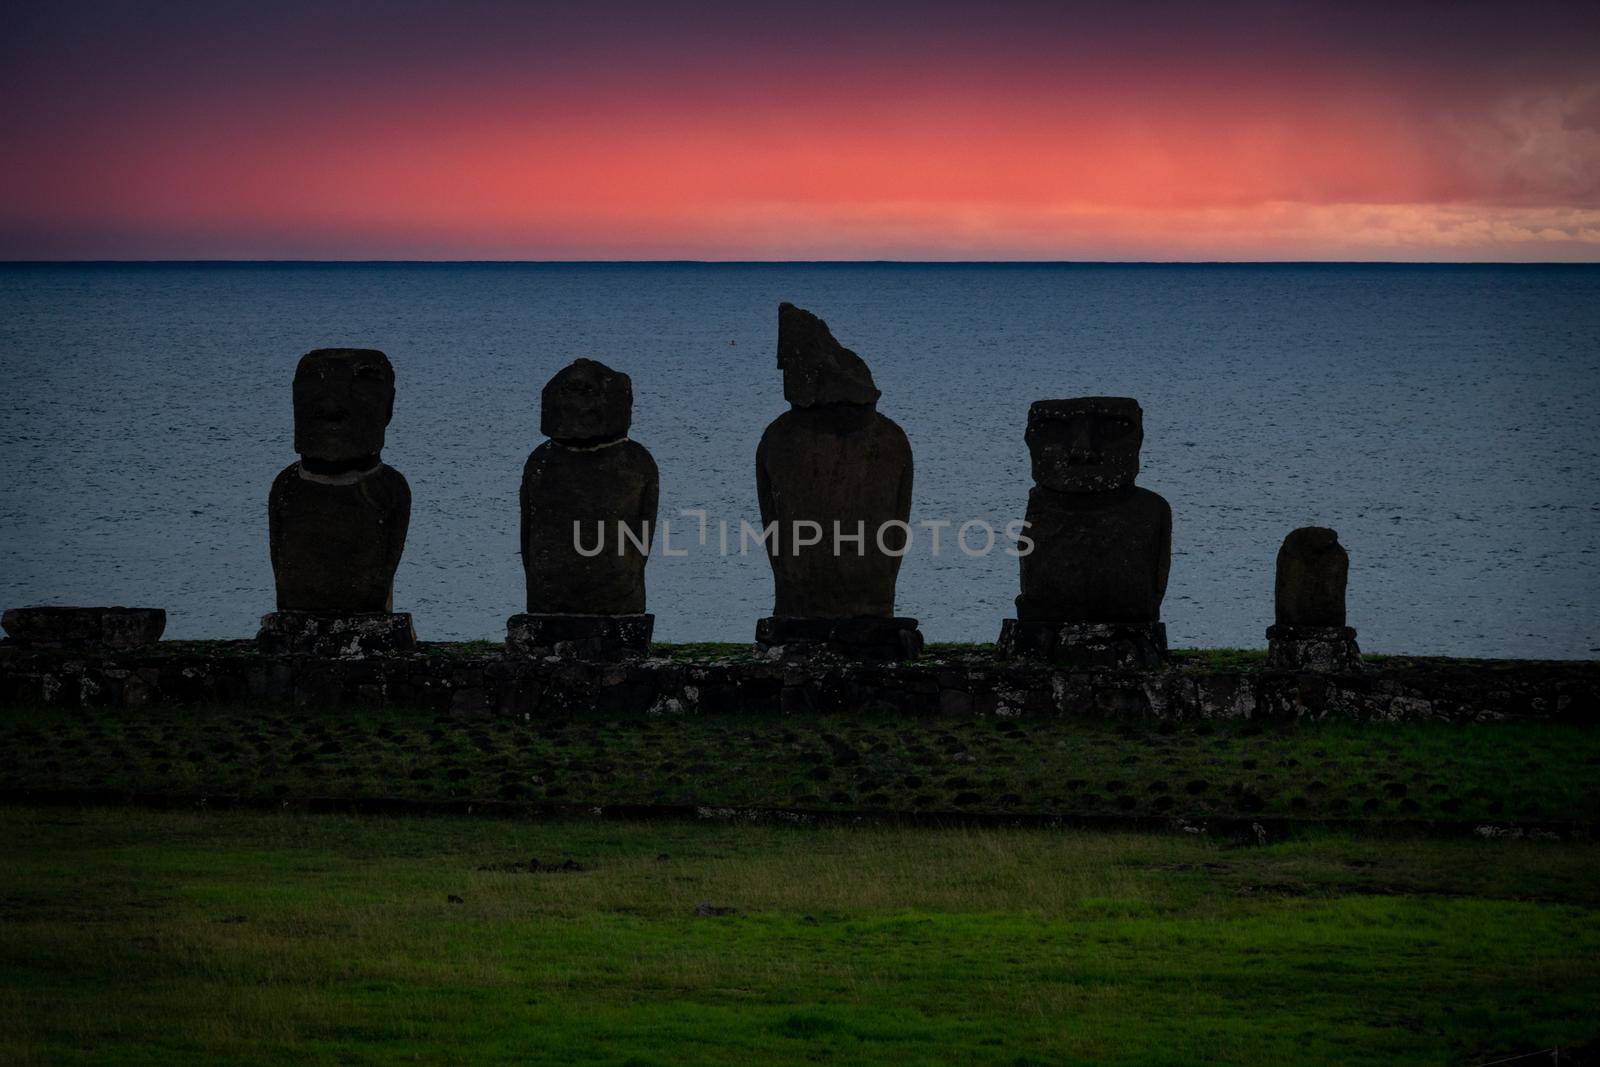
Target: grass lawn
136	936
1531	773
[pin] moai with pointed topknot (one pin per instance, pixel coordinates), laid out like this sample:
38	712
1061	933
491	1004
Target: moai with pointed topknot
337	519
588	505
1094	579
1310	632
833	478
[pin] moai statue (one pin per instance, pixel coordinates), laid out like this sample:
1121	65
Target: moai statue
834	476
1310	631
337	518
588	515
1093	582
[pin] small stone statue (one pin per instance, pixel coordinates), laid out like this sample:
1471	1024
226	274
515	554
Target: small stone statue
337	519
1310	631
1093	582
830	473
588	505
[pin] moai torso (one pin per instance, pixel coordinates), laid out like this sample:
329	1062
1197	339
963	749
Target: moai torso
1313	569
336	540
590	474
337	519
1102	546
832	458
1097	557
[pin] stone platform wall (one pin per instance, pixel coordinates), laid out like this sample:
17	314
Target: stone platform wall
443	678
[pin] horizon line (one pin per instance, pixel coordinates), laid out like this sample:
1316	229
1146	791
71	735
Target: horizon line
810	262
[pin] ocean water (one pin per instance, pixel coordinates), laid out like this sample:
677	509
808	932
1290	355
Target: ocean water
1445	420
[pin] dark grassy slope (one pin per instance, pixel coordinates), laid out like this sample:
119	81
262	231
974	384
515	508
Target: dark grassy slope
1527	772
139	937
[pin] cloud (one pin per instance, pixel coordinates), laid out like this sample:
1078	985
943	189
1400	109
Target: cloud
1277	230
1536	148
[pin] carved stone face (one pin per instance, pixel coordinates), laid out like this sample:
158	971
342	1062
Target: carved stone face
1086	445
818	370
343	399
586	402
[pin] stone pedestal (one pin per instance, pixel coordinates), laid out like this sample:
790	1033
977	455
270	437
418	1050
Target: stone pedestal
1312	648
583	637
1121	645
64	627
350	636
867	638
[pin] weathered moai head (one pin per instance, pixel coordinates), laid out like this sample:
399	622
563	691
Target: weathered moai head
343	399
1312	571
817	370
1085	445
586	403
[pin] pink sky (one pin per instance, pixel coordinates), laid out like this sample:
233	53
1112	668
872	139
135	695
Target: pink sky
1008	131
